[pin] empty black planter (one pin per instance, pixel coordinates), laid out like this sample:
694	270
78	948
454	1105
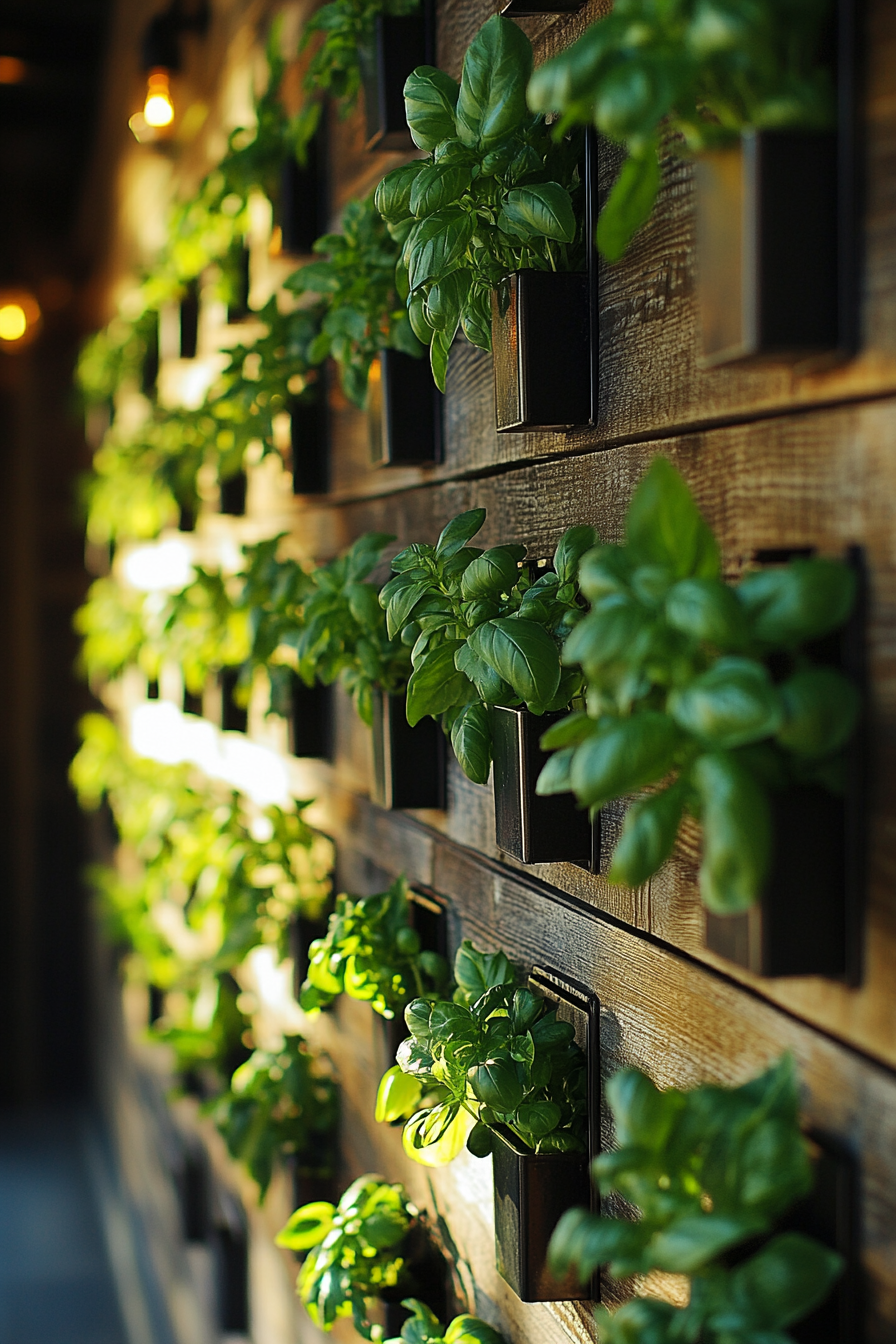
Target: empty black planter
541	342
189	321
301	209
530	828
233	494
404	411
769	247
532	1192
311	720
408	763
231	1256
401	42
234	717
310	440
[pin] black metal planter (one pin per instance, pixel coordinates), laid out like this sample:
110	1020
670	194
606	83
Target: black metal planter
234	717
309	417
408	763
530	828
768	247
401	42
311	720
523	9
301	209
388	1034
230	1244
233	491
404	411
532	1192
541	342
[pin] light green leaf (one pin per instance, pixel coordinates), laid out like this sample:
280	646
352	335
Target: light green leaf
730	705
521	652
648	835
629	204
626	755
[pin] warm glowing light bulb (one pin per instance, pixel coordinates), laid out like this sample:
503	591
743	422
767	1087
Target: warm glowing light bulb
13	322
158	110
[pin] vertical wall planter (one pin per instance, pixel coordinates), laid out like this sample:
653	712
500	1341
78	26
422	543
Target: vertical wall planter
189	321
237	273
530	828
302	208
302	933
192	703
809	918
311	720
408	763
234	718
542	351
310	439
830	1214
523	9
401	42
388	1034
404	411
233	494
230	1242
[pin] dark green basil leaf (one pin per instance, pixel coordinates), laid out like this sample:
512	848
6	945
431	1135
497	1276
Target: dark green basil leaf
430	100
445	302
663	525
707	610
471	738
439	185
436	684
644	1116
437	245
555	776
480	1140
785	1280
493	572
439	350
568	732
570	549
821	707
648	835
626	755
403	601
521	652
537	1118
492	100
542	210
730	705
605	571
629	204
493	690
455	535
801	601
689	1243
393	195
736	821
497	1083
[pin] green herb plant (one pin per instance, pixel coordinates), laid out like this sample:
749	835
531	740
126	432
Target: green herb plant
363	311
482	632
353	1251
690	74
280	1103
493	1057
708	694
424	1327
372	953
709	1170
496	194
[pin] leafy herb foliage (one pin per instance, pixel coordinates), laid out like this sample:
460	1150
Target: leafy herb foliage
496	194
681	697
425	1328
481	632
279	1103
354	1250
363	312
704	69
493	1057
708	1170
371	953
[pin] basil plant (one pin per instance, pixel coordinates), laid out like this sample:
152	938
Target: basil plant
705	70
710	1171
362	310
482	632
496	193
372	953
707	694
424	1327
492	1058
353	1251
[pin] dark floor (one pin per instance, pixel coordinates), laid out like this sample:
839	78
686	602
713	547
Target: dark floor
56	1285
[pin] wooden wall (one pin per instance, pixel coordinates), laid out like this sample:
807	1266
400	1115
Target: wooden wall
779	455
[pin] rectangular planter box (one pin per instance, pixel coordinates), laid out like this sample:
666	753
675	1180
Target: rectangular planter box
830	1214
769	247
233	495
388	1034
230	1245
523	9
541	342
532	1192
530	828
234	718
404	411
408	763
189	321
311	720
810	916
401	42
309	432
302	208
239	281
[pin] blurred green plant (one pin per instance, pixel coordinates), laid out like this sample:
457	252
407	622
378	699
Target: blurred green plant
424	1327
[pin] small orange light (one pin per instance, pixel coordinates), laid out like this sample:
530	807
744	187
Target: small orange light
19	318
12	70
158	110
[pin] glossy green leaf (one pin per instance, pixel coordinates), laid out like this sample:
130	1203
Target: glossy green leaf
648	836
820	709
625	756
492	100
542	210
521	652
785	1280
708	610
393	195
731	704
736	822
629	204
436	684
437	186
493	572
471	739
663	525
798	602
574	543
438	244
430	100
456	534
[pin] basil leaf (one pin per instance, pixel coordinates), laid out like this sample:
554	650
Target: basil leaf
493	572
402	603
492	688
438	244
476	972
436	684
455	535
648	835
543	210
430	100
445	302
730	705
629	204
820	707
570	549
555	776
708	610
393	195
784	1280
625	756
497	1083
438	185
688	1243
737	839
521	652
803	601
568	732
439	350
663	525
492	99
471	738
